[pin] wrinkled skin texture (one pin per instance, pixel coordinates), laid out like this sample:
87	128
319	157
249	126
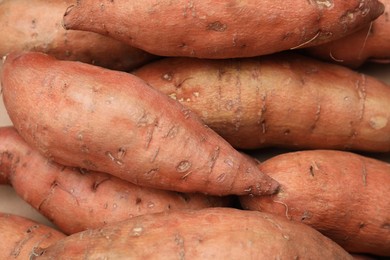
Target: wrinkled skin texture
36	25
221	29
371	43
113	122
75	199
282	100
20	237
343	195
215	233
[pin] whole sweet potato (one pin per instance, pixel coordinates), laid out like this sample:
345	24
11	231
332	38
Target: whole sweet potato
36	25
86	116
343	195
20	236
75	199
371	43
283	100
215	233
221	29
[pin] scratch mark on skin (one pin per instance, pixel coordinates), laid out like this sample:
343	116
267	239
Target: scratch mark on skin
317	116
150	133
18	248
364	173
54	185
155	155
313	167
285	205
307	42
365	41
361	92
97	183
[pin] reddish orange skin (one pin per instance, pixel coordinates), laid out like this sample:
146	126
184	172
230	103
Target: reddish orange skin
343	195
75	199
221	29
21	237
109	121
215	233
36	25
282	100
371	43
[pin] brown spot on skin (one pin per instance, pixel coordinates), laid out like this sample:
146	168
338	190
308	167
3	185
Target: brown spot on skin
217	26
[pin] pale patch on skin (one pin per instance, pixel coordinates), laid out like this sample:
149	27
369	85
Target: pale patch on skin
378	122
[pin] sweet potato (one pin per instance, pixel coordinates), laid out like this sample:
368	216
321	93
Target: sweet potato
215	233
283	100
371	43
113	122
341	194
20	236
74	199
36	25
221	29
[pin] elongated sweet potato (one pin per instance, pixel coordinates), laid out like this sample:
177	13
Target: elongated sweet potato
341	194
217	233
371	43
221	29
20	237
114	122
36	25
74	199
283	100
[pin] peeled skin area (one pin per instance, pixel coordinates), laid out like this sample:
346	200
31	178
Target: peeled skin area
20	237
372	44
36	25
215	233
221	29
280	100
114	122
76	199
343	195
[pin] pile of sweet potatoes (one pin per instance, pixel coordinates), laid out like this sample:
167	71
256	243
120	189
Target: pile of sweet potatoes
137	128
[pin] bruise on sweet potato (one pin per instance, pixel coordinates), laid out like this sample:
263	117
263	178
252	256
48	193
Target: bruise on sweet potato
75	199
110	121
215	233
283	100
341	194
20	236
36	25
221	29
371	43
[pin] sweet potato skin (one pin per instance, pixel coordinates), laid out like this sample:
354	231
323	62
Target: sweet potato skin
215	233
284	100
231	28
115	123
371	43
75	199
341	194
20	236
36	25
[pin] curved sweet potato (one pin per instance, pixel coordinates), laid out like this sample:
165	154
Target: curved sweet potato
221	29
36	25
113	122
74	199
283	100
215	233
371	43
20	237
341	194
